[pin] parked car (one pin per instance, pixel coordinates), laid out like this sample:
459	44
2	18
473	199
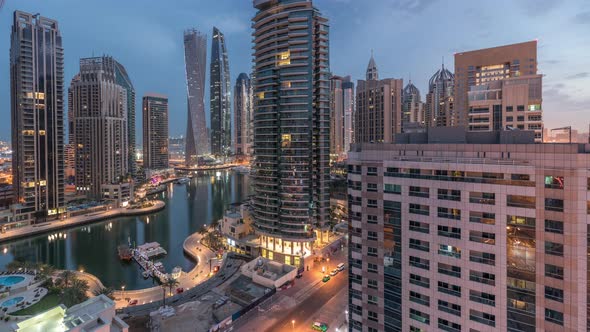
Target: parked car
133	302
340	267
334	272
326	278
320	326
179	290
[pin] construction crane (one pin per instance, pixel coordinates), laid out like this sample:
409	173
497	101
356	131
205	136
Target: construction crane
569	130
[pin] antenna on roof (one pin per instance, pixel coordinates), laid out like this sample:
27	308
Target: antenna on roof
443	62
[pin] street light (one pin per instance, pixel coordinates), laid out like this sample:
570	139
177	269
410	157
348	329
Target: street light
123	292
293	324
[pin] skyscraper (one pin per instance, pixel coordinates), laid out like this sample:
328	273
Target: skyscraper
220	96
412	109
378	115
499	87
122	78
99	110
37	114
291	199
195	57
243	116
155	131
439	107
341	109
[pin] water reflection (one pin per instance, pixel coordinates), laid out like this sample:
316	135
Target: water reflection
93	247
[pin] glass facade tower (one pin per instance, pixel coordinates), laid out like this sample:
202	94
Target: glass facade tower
220	97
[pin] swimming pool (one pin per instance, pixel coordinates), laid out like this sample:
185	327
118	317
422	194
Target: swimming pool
11	280
13	301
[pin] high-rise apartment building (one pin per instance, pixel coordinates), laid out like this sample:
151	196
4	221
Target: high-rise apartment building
341	113
412	109
291	200
378	115
499	88
98	106
122	78
487	232
195	57
37	114
220	96
155	131
243	128
440	102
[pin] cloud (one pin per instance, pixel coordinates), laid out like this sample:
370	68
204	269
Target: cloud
411	7
583	74
582	18
536	8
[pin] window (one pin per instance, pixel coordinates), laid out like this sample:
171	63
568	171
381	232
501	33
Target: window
482	237
420	298
509	119
450	251
420	245
449	195
419	280
419	316
451	308
372	203
372	284
372	251
373	316
372	236
419	192
520	177
509	108
554	226
553	182
553	316
420	227
553	204
482	317
372	268
452	232
520	221
371	170
450	289
372	299
447	213
482	198
420	263
419	209
482	297
520	118
371	187
415	329
450	270
482	217
445	325
482	257
392	188
520	201
552	248
554	271
520	108
371	219
482	277
554	294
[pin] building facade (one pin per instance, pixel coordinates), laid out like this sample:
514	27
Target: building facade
99	110
122	78
483	235
155	131
378	115
341	112
37	115
439	107
291	198
243	128
412	109
220	97
498	88
195	57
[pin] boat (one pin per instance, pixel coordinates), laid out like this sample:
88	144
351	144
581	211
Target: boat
241	169
124	252
182	181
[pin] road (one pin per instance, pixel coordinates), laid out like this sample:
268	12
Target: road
309	308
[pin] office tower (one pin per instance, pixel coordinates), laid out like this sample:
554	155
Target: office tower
37	114
412	109
341	112
476	232
439	106
291	200
195	56
243	116
378	114
220	97
498	88
122	78
155	131
99	110
177	148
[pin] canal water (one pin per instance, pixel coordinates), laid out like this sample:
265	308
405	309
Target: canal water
93	248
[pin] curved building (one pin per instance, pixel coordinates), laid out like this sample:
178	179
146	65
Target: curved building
243	116
412	108
439	100
195	57
291	199
220	96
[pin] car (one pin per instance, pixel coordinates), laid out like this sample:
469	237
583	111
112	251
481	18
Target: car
299	275
179	290
320	326
334	272
133	302
340	267
326	278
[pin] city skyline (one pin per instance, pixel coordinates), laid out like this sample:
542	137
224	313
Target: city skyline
564	95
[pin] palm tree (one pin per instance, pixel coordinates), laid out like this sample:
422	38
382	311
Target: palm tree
67	276
14	265
106	291
170	283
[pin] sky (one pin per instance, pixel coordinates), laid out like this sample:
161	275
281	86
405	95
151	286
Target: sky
409	38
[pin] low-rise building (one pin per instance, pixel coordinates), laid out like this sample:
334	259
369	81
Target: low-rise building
121	193
236	227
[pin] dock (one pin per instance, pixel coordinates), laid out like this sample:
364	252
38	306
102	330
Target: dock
124	252
152	249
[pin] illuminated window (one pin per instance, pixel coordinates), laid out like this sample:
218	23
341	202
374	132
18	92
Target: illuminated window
297	261
288	260
263	252
284	58
270	255
260	95
535	107
286	84
42	183
28	132
42	132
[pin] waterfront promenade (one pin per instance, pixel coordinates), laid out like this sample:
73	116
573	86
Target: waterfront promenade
77	221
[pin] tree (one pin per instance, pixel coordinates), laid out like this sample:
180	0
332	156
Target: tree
76	293
67	276
14	265
106	291
170	283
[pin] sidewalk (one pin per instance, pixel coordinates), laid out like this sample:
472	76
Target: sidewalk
77	221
